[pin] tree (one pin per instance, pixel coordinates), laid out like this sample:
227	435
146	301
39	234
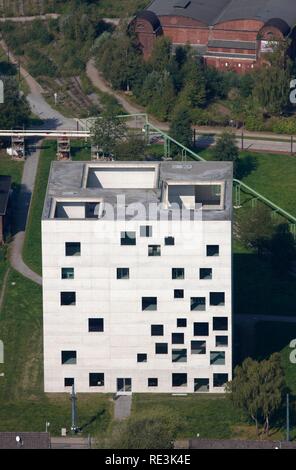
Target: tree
226	149
107	131
283	249
255	227
180	129
132	149
257	389
193	93
15	111
161	54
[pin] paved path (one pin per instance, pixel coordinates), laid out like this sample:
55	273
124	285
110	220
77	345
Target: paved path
24	19
3	287
122	408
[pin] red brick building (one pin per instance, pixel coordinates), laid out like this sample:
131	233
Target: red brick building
229	34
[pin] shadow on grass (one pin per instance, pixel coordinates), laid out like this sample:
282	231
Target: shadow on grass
246	166
101	414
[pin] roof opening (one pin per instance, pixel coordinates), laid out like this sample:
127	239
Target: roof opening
182	4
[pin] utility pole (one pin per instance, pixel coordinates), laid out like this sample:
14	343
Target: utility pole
288	417
74	427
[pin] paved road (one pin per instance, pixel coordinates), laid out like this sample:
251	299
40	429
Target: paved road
122	408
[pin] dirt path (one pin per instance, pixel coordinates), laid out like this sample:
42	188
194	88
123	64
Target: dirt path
3	287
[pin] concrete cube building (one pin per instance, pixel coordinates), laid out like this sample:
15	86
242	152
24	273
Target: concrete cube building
137	277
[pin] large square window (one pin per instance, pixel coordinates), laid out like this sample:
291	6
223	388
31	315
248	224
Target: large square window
178	273
128	238
179	380
201	385
198	347
198	303
201	329
217	358
68	381
145	231
169	241
217	299
179	355
122	273
141	357
69	357
152	382
181	322
67	273
95	324
156	330
220	323
161	348
68	298
73	249
96	379
213	250
205	273
149	303
154	250
221	341
220	380
178	294
177	338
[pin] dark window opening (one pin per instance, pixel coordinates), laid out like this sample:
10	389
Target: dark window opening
181	322
122	273
178	294
201	329
220	380
161	348
141	357
154	250
198	347
68	381
156	330
69	357
201	385
178	273
179	380
73	249
152	382
217	358
96	379
212	250
198	303
128	238
220	323
205	273
95	324
221	341
169	241
217	299
68	298
149	303
177	338
179	355
67	273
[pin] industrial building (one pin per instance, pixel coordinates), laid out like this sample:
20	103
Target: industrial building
228	34
137	277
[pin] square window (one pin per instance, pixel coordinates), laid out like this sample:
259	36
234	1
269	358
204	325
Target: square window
179	355
179	380
69	357
201	329
181	322
96	324
73	249
153	382
169	241
217	358
178	294
96	379
67	273
128	238
198	303
220	380
213	250
156	330
122	273
68	298
154	250
145	231
201	385
220	323
198	347
161	348
177	338
68	381
149	303
217	299
141	357
205	273
178	273
221	341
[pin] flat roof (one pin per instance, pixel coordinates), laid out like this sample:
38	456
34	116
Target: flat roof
66	181
5	186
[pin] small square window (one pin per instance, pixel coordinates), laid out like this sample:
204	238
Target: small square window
178	273
149	303
96	379
179	355
201	385
145	231
179	380
178	294
205	273
73	249
181	322
177	338
198	347
217	299
220	323
67	273
161	348
154	250
122	273
169	241
69	357
128	238
221	341
220	380
95	324
68	381
141	357
156	330
68	298
153	382
217	358
213	250
201	329
198	303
